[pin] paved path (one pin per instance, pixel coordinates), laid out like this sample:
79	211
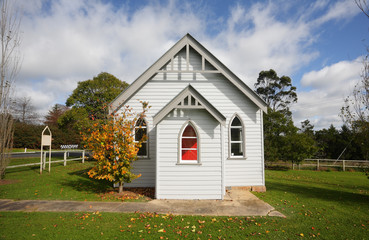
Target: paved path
238	203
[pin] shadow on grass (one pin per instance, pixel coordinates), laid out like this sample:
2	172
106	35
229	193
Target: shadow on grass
87	184
34	168
321	193
23	169
95	186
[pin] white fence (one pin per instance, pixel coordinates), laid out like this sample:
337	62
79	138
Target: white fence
319	164
65	160
331	163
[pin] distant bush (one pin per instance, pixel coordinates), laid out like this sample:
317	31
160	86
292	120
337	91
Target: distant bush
29	136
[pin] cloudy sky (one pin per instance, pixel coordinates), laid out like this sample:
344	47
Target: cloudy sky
319	44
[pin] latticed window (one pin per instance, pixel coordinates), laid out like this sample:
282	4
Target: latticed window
140	132
189	146
236	135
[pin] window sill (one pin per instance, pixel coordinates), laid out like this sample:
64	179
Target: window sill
236	158
182	163
143	158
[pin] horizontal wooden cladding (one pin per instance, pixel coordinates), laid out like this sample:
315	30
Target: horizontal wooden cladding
243	169
243	176
251	181
167	179
228	100
197	195
206	174
205	164
198	169
189	188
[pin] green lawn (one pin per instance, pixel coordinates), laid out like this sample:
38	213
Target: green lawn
16	150
323	205
25	160
69	182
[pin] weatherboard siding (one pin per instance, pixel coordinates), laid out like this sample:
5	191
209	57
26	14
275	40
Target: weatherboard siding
189	181
226	98
146	166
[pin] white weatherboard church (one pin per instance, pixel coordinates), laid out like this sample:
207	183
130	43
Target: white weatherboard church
205	128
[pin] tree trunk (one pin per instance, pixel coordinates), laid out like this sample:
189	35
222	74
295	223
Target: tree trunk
120	187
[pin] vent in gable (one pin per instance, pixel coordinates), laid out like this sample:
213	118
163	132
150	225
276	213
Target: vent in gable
188	60
189	102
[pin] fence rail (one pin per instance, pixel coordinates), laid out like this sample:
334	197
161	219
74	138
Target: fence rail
319	164
65	160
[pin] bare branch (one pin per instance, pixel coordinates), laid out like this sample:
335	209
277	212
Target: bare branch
9	66
363	5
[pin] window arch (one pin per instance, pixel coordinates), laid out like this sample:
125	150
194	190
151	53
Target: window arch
140	132
189	144
236	138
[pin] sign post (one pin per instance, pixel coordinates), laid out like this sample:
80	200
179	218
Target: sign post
45	141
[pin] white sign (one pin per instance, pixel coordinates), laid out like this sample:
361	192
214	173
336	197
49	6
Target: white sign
45	141
70	146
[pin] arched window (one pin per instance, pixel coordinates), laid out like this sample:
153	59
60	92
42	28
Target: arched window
236	138
140	131
189	144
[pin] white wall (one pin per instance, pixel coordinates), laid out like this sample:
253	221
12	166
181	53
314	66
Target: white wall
178	181
222	94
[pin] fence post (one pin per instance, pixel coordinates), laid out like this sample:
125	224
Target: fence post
65	158
293	166
343	165
317	164
44	163
83	156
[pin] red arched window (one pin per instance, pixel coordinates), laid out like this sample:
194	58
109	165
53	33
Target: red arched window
189	144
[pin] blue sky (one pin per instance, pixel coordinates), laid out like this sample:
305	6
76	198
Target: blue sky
319	44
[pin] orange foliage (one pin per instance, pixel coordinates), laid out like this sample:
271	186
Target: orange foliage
112	144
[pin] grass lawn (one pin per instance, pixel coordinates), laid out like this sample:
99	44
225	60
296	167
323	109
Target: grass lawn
69	182
323	205
25	160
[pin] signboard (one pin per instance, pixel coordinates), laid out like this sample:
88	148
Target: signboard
45	141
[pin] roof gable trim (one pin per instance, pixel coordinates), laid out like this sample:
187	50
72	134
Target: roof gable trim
189	98
186	42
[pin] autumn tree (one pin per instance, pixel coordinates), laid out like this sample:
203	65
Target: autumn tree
113	145
95	94
9	68
51	119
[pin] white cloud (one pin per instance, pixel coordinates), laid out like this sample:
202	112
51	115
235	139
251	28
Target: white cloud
69	41
264	42
328	88
339	10
76	40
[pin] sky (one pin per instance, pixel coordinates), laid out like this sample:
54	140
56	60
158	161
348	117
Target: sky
319	44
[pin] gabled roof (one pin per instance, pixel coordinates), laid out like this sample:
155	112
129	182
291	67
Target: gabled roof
189	98
186	41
